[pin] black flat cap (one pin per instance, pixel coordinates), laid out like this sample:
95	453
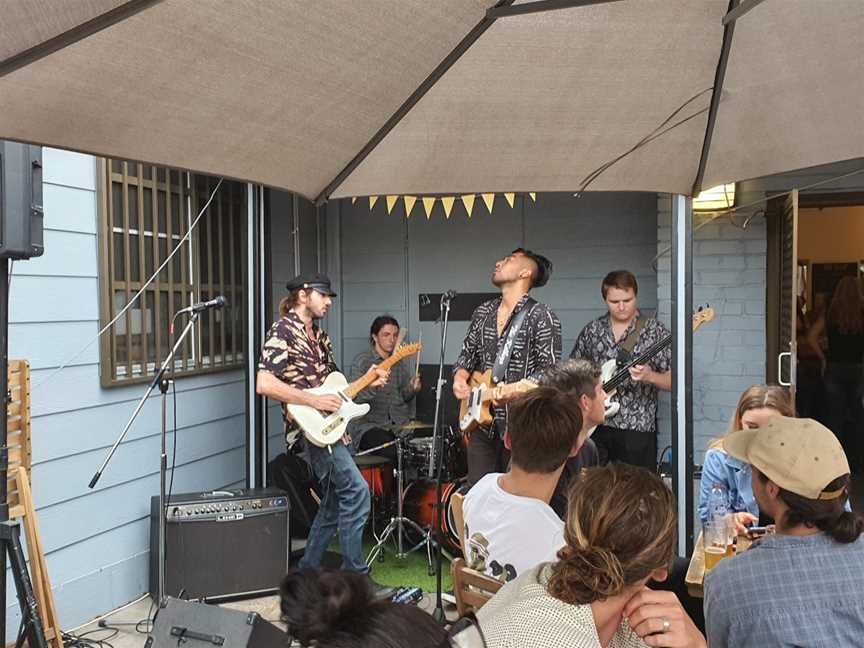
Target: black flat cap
315	281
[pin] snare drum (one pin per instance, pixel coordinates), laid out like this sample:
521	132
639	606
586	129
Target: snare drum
419	505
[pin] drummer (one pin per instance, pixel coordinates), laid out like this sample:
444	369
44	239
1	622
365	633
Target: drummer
392	405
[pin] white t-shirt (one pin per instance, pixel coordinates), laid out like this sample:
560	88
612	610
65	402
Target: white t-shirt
506	534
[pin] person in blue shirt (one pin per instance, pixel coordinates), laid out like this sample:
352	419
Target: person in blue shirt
757	404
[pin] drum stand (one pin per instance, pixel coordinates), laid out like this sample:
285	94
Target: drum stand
396	524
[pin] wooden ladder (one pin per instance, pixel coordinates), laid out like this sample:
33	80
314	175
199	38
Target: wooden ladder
20	498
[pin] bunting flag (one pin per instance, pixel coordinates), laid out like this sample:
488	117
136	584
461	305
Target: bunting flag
489	199
409	205
468	201
391	200
428	204
447	204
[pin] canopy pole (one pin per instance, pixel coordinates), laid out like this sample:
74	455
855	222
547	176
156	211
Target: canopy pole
540	6
74	35
682	368
448	62
719	77
740	10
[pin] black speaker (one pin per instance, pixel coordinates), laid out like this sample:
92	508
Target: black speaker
198	624
21	212
222	543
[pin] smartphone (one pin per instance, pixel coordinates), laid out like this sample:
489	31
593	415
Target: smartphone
757	531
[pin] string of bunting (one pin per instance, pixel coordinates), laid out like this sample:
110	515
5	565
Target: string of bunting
447	202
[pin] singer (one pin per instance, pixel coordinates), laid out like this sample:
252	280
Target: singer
534	335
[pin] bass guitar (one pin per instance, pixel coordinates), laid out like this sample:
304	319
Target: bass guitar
613	375
324	429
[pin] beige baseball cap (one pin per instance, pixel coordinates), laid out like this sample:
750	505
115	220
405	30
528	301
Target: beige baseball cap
799	455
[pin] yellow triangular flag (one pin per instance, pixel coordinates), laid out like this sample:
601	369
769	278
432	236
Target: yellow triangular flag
353	199
533	196
468	201
372	201
511	198
447	204
489	199
409	205
391	200
428	204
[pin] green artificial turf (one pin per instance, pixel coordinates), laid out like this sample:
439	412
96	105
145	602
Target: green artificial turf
407	571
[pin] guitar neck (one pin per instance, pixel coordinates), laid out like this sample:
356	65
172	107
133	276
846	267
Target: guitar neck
616	380
368	378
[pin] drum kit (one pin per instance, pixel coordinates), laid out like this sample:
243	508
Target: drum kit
414	515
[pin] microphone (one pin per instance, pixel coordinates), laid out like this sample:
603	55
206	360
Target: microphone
450	294
217	302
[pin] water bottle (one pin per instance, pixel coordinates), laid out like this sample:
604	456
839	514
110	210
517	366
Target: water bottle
718	504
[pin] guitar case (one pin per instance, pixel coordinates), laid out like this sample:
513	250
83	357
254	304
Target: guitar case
290	472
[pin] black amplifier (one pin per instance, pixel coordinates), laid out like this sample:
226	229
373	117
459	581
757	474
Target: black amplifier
222	543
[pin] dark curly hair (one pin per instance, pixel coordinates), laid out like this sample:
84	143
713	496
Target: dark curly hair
327	608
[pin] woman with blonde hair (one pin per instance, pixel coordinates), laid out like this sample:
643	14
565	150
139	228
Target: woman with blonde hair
757	404
620	533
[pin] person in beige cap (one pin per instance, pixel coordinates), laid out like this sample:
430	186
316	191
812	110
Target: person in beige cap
803	586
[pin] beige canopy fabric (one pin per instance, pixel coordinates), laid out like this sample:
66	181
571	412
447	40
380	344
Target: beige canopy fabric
288	92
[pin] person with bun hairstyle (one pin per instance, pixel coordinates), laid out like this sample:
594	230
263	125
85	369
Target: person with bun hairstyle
803	586
756	406
620	533
327	608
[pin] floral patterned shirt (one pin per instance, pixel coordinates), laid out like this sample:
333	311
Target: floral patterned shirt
295	359
638	400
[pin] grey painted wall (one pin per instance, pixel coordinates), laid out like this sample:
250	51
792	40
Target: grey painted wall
97	541
385	261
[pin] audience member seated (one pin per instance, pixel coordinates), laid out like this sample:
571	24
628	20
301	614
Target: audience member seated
620	533
579	378
337	609
756	405
803	586
509	525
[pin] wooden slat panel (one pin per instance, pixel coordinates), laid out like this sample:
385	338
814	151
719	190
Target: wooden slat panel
209	243
142	271
157	261
220	219
232	264
127	268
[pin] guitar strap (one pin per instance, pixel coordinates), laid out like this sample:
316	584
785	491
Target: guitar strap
629	343
499	370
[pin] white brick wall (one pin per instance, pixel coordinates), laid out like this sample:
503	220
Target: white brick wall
729	352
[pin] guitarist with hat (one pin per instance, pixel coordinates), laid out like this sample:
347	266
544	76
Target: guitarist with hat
630	436
516	337
297	356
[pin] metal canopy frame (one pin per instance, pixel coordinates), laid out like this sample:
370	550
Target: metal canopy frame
682	215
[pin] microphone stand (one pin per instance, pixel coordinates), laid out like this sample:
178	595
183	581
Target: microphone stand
437	440
159	379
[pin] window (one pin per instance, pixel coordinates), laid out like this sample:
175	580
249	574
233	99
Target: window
144	214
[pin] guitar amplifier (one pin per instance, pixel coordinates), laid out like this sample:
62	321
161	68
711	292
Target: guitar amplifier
222	543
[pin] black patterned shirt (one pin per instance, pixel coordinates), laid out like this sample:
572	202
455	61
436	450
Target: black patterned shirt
638	400
295	359
537	345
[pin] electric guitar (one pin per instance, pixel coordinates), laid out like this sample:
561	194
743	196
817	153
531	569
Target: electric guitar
324	429
475	410
614	376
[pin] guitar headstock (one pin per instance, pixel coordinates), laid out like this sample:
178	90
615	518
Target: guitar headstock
703	315
406	350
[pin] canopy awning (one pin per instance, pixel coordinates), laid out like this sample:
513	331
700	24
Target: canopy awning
310	95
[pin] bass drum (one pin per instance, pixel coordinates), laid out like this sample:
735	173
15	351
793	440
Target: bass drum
418	502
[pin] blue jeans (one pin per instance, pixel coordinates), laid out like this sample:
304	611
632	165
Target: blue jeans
344	507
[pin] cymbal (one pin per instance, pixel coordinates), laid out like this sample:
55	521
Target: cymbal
416	425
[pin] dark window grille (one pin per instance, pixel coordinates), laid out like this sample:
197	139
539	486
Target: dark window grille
144	213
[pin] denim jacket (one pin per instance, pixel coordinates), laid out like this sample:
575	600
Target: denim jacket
734	476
